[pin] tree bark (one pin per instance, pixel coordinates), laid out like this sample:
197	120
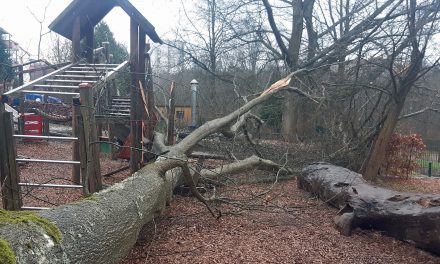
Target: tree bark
410	217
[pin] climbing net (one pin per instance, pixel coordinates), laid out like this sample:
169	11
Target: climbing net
50	111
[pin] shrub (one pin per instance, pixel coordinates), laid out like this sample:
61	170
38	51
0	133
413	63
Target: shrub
402	153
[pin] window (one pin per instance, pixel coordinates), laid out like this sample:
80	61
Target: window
180	115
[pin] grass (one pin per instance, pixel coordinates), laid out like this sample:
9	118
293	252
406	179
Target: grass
425	164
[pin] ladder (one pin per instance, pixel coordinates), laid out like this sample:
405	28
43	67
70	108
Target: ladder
64	82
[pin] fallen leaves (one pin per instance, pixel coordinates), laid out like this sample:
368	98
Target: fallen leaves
186	233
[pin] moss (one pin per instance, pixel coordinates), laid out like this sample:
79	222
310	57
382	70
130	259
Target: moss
93	198
22	217
7	255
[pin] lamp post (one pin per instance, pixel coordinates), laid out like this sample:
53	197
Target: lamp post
194	85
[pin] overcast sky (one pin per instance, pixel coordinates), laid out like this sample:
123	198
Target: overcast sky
17	19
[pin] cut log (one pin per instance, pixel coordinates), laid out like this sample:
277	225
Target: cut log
410	217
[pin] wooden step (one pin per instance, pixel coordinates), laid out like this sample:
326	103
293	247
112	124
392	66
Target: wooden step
77	76
82	72
96	69
49	92
120	106
98	64
56	86
120	110
118	114
69	81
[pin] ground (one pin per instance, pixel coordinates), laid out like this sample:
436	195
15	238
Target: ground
57	174
283	225
290	226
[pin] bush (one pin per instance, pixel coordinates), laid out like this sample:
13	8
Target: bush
402	153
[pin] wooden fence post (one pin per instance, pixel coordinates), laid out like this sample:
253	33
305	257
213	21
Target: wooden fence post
46	126
8	165
93	169
171	113
135	100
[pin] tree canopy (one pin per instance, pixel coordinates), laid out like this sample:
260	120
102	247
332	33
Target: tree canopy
5	63
103	34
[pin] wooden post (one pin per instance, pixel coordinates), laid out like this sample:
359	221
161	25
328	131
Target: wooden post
136	110
106	46
76	39
4	163
21	113
76	113
46	131
82	151
93	175
111	135
88	32
9	176
20	76
171	113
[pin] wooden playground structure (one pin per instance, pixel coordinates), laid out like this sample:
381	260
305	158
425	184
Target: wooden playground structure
88	88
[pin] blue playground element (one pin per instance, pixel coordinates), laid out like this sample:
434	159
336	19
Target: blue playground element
37	97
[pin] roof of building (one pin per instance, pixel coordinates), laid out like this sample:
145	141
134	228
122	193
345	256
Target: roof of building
93	11
2	31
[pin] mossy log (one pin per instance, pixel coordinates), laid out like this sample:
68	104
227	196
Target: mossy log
98	229
410	217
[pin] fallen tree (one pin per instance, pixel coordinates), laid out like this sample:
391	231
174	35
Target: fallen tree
414	218
103	227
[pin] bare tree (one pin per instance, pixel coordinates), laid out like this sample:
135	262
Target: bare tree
59	50
40	21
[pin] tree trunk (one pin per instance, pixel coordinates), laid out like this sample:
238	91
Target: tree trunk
377	155
98	229
289	117
103	227
409	217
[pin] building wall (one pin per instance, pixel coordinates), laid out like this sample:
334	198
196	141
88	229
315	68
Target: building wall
182	116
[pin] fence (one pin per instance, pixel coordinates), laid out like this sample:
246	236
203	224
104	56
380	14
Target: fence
87	174
429	163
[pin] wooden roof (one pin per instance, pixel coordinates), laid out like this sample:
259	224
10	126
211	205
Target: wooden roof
2	31
93	11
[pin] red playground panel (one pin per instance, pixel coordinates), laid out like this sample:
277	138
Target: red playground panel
33	125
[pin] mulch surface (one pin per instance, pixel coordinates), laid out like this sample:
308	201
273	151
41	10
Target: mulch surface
283	225
57	174
420	184
286	225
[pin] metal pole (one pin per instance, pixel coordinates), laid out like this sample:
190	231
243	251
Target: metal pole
49	161
48	185
194	84
47	137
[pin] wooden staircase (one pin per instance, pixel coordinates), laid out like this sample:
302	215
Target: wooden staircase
119	107
65	81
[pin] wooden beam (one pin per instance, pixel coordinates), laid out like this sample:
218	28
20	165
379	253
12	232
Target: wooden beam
93	175
9	176
88	34
42	78
76	39
135	114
